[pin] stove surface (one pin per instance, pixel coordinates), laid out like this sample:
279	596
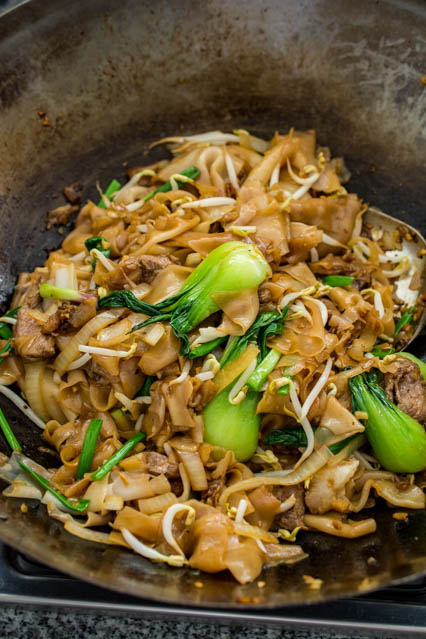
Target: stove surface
400	610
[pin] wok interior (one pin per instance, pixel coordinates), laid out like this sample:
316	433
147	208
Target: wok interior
112	78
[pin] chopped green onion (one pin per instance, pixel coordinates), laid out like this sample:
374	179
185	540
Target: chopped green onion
284	390
265	368
49	291
5	329
88	449
144	391
406	318
78	506
338	280
116	457
6	349
377	351
113	186
192	172
204	349
8	433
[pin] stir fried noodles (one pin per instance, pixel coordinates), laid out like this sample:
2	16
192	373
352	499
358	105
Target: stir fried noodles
213	353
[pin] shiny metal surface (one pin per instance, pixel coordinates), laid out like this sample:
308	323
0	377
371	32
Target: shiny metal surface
112	77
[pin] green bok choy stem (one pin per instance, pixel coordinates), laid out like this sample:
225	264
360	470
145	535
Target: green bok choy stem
398	440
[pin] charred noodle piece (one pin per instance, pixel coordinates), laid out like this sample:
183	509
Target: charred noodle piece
398	441
113	186
8	433
116	457
205	349
406	318
88	449
78	506
265	325
416	360
235	427
192	173
338	280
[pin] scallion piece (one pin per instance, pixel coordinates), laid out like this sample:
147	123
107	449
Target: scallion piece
5	329
406	318
78	505
88	449
192	172
8	433
284	390
204	349
377	351
6	349
116	457
144	391
265	368
49	291
338	280
113	186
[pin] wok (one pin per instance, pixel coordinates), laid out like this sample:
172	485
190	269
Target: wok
86	86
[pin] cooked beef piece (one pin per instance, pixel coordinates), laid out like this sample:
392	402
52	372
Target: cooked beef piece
211	495
159	464
292	518
69	317
28	338
142	268
265	296
406	388
73	192
60	215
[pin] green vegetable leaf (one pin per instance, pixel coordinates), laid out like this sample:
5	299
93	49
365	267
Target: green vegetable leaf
5	328
126	299
8	433
406	318
338	280
6	349
89	446
113	186
192	172
378	351
148	382
96	242
116	458
294	436
77	505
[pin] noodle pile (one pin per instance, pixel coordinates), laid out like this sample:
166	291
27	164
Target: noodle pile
176	497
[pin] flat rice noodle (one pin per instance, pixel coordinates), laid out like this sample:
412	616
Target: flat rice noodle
131	378
177	399
305	152
111	234
50	391
272	232
326	488
212	166
286	147
131	485
101	396
364	343
56	434
335	216
283	554
11	370
244	559
328	181
240	309
96	493
167	283
165	352
301	273
338	419
302	239
154	418
179	163
108	362
146	527
74	392
332	524
341	379
203	243
251	198
175	226
74	241
300	336
388	317
209	542
396	494
273	403
265	505
247	157
232	370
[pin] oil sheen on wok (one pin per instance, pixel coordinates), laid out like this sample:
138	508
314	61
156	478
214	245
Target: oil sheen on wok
213	352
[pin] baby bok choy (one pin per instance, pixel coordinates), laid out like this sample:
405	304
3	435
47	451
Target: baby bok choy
233	266
398	440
